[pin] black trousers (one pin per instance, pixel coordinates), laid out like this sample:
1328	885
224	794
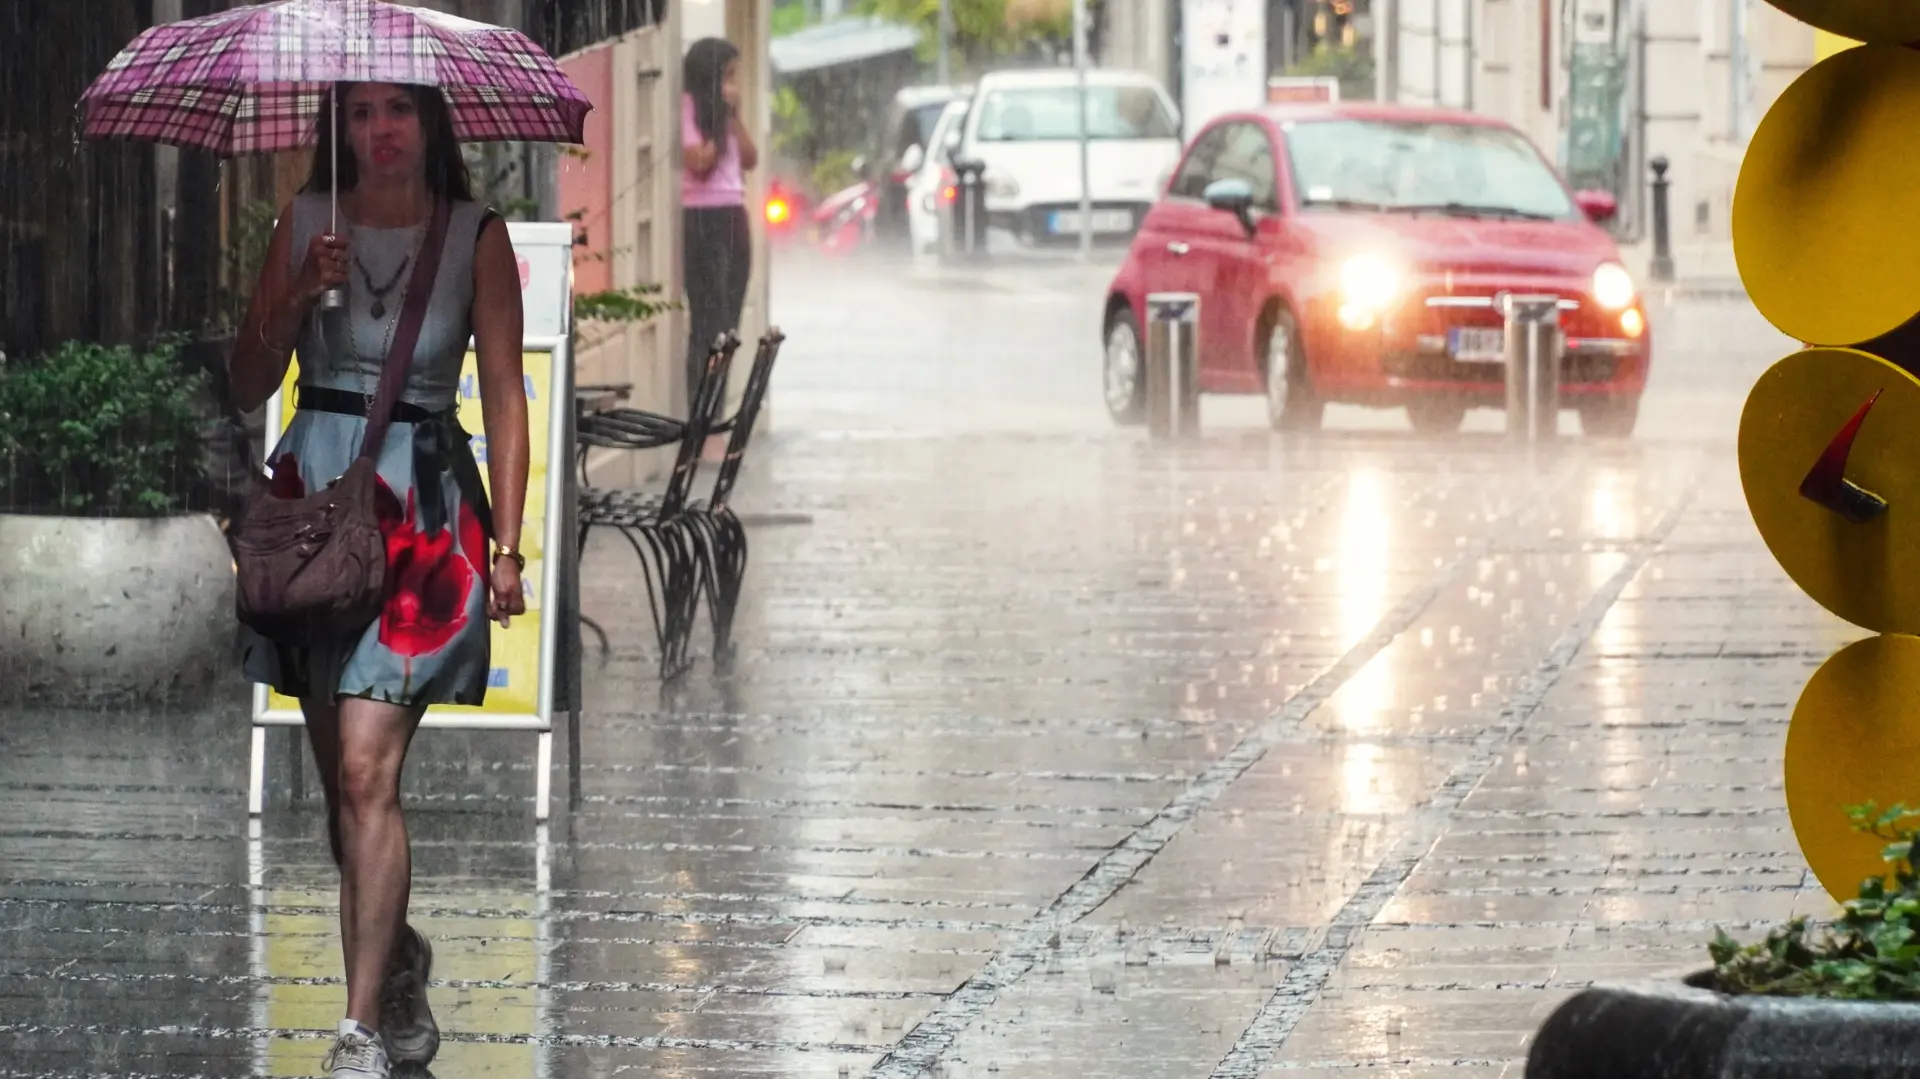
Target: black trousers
717	258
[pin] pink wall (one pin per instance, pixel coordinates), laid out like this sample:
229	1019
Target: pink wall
586	179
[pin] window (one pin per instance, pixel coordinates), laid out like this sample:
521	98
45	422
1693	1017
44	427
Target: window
1466	168
1247	154
1196	172
1052	113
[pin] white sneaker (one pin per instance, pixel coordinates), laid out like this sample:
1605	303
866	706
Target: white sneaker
356	1054
406	1022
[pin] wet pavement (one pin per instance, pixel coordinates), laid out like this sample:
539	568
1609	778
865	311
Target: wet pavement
1048	751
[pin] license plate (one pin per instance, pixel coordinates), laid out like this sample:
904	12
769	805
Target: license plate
1103	221
1477	345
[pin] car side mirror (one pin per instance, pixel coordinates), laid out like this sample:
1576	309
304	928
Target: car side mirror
1599	206
1234	197
913	158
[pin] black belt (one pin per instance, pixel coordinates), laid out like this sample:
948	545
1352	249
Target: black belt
348	403
439	442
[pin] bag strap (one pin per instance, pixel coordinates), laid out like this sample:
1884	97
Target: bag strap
393	372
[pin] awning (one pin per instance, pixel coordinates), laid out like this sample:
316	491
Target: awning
843	41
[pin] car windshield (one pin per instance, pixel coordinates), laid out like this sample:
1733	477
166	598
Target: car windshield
946	130
1038	114
1462	169
924	119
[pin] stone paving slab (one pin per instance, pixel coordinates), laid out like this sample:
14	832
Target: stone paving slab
1048	751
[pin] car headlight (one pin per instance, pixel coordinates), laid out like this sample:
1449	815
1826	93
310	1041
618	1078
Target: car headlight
1369	283
1613	287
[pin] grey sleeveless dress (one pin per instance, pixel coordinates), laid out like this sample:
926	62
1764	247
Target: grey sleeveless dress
431	642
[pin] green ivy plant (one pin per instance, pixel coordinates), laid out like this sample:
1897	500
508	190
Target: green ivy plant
1353	67
639	303
1871	952
93	430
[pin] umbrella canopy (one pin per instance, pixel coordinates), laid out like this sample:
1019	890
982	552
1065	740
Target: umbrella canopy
254	79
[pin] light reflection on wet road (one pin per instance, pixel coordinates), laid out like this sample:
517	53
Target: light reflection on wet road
1049	751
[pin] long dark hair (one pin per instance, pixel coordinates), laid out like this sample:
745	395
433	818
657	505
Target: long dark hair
447	176
706	73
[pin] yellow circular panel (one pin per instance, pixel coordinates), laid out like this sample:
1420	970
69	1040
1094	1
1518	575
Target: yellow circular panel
1855	738
1866	572
1890	22
1826	217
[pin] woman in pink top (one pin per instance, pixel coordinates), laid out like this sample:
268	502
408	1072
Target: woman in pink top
717	252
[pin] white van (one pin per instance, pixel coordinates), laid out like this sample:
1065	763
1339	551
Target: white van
1024	127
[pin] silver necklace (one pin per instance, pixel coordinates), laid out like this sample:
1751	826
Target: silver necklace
380	291
379	312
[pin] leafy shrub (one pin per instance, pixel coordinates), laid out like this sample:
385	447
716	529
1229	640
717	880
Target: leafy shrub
1872	952
640	303
1353	67
834	172
93	430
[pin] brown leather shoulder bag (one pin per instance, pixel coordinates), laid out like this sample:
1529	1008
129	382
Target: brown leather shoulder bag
314	568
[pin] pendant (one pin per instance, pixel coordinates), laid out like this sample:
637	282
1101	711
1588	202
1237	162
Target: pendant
379	309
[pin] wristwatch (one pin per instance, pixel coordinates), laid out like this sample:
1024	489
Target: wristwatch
501	550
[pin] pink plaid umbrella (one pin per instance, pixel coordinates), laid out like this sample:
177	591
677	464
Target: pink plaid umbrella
253	79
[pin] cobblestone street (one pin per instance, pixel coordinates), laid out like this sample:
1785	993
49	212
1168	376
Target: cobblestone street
1049	752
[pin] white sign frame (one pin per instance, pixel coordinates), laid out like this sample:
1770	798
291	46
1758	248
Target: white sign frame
553	314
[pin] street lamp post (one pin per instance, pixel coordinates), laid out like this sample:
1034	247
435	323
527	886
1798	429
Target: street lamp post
945	34
1080	68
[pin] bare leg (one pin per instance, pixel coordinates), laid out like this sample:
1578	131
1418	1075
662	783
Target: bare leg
323	734
378	871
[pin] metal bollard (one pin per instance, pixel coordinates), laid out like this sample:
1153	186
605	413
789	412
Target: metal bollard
1173	365
1534	347
970	209
1662	267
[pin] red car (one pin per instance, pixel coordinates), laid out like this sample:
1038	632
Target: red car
1359	253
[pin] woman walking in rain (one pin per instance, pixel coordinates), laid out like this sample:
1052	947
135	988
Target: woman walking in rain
717	256
401	181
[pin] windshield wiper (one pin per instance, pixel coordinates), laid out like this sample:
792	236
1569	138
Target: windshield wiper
1465	209
1347	204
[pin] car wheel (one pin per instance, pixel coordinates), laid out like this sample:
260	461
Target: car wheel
1122	372
1441	417
1611	417
1291	404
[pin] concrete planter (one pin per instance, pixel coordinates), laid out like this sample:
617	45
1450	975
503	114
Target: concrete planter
101	609
1680	1029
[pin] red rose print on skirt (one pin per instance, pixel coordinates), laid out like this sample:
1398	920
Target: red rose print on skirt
428	581
286	482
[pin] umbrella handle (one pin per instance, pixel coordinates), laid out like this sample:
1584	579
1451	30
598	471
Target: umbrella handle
334	299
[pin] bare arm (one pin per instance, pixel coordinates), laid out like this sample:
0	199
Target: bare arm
697	152
497	324
280	305
699	157
749	153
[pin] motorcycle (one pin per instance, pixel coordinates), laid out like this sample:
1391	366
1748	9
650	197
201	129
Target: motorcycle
844	220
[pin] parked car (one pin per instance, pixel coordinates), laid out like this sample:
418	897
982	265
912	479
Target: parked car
933	187
1024	127
908	143
1360	253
